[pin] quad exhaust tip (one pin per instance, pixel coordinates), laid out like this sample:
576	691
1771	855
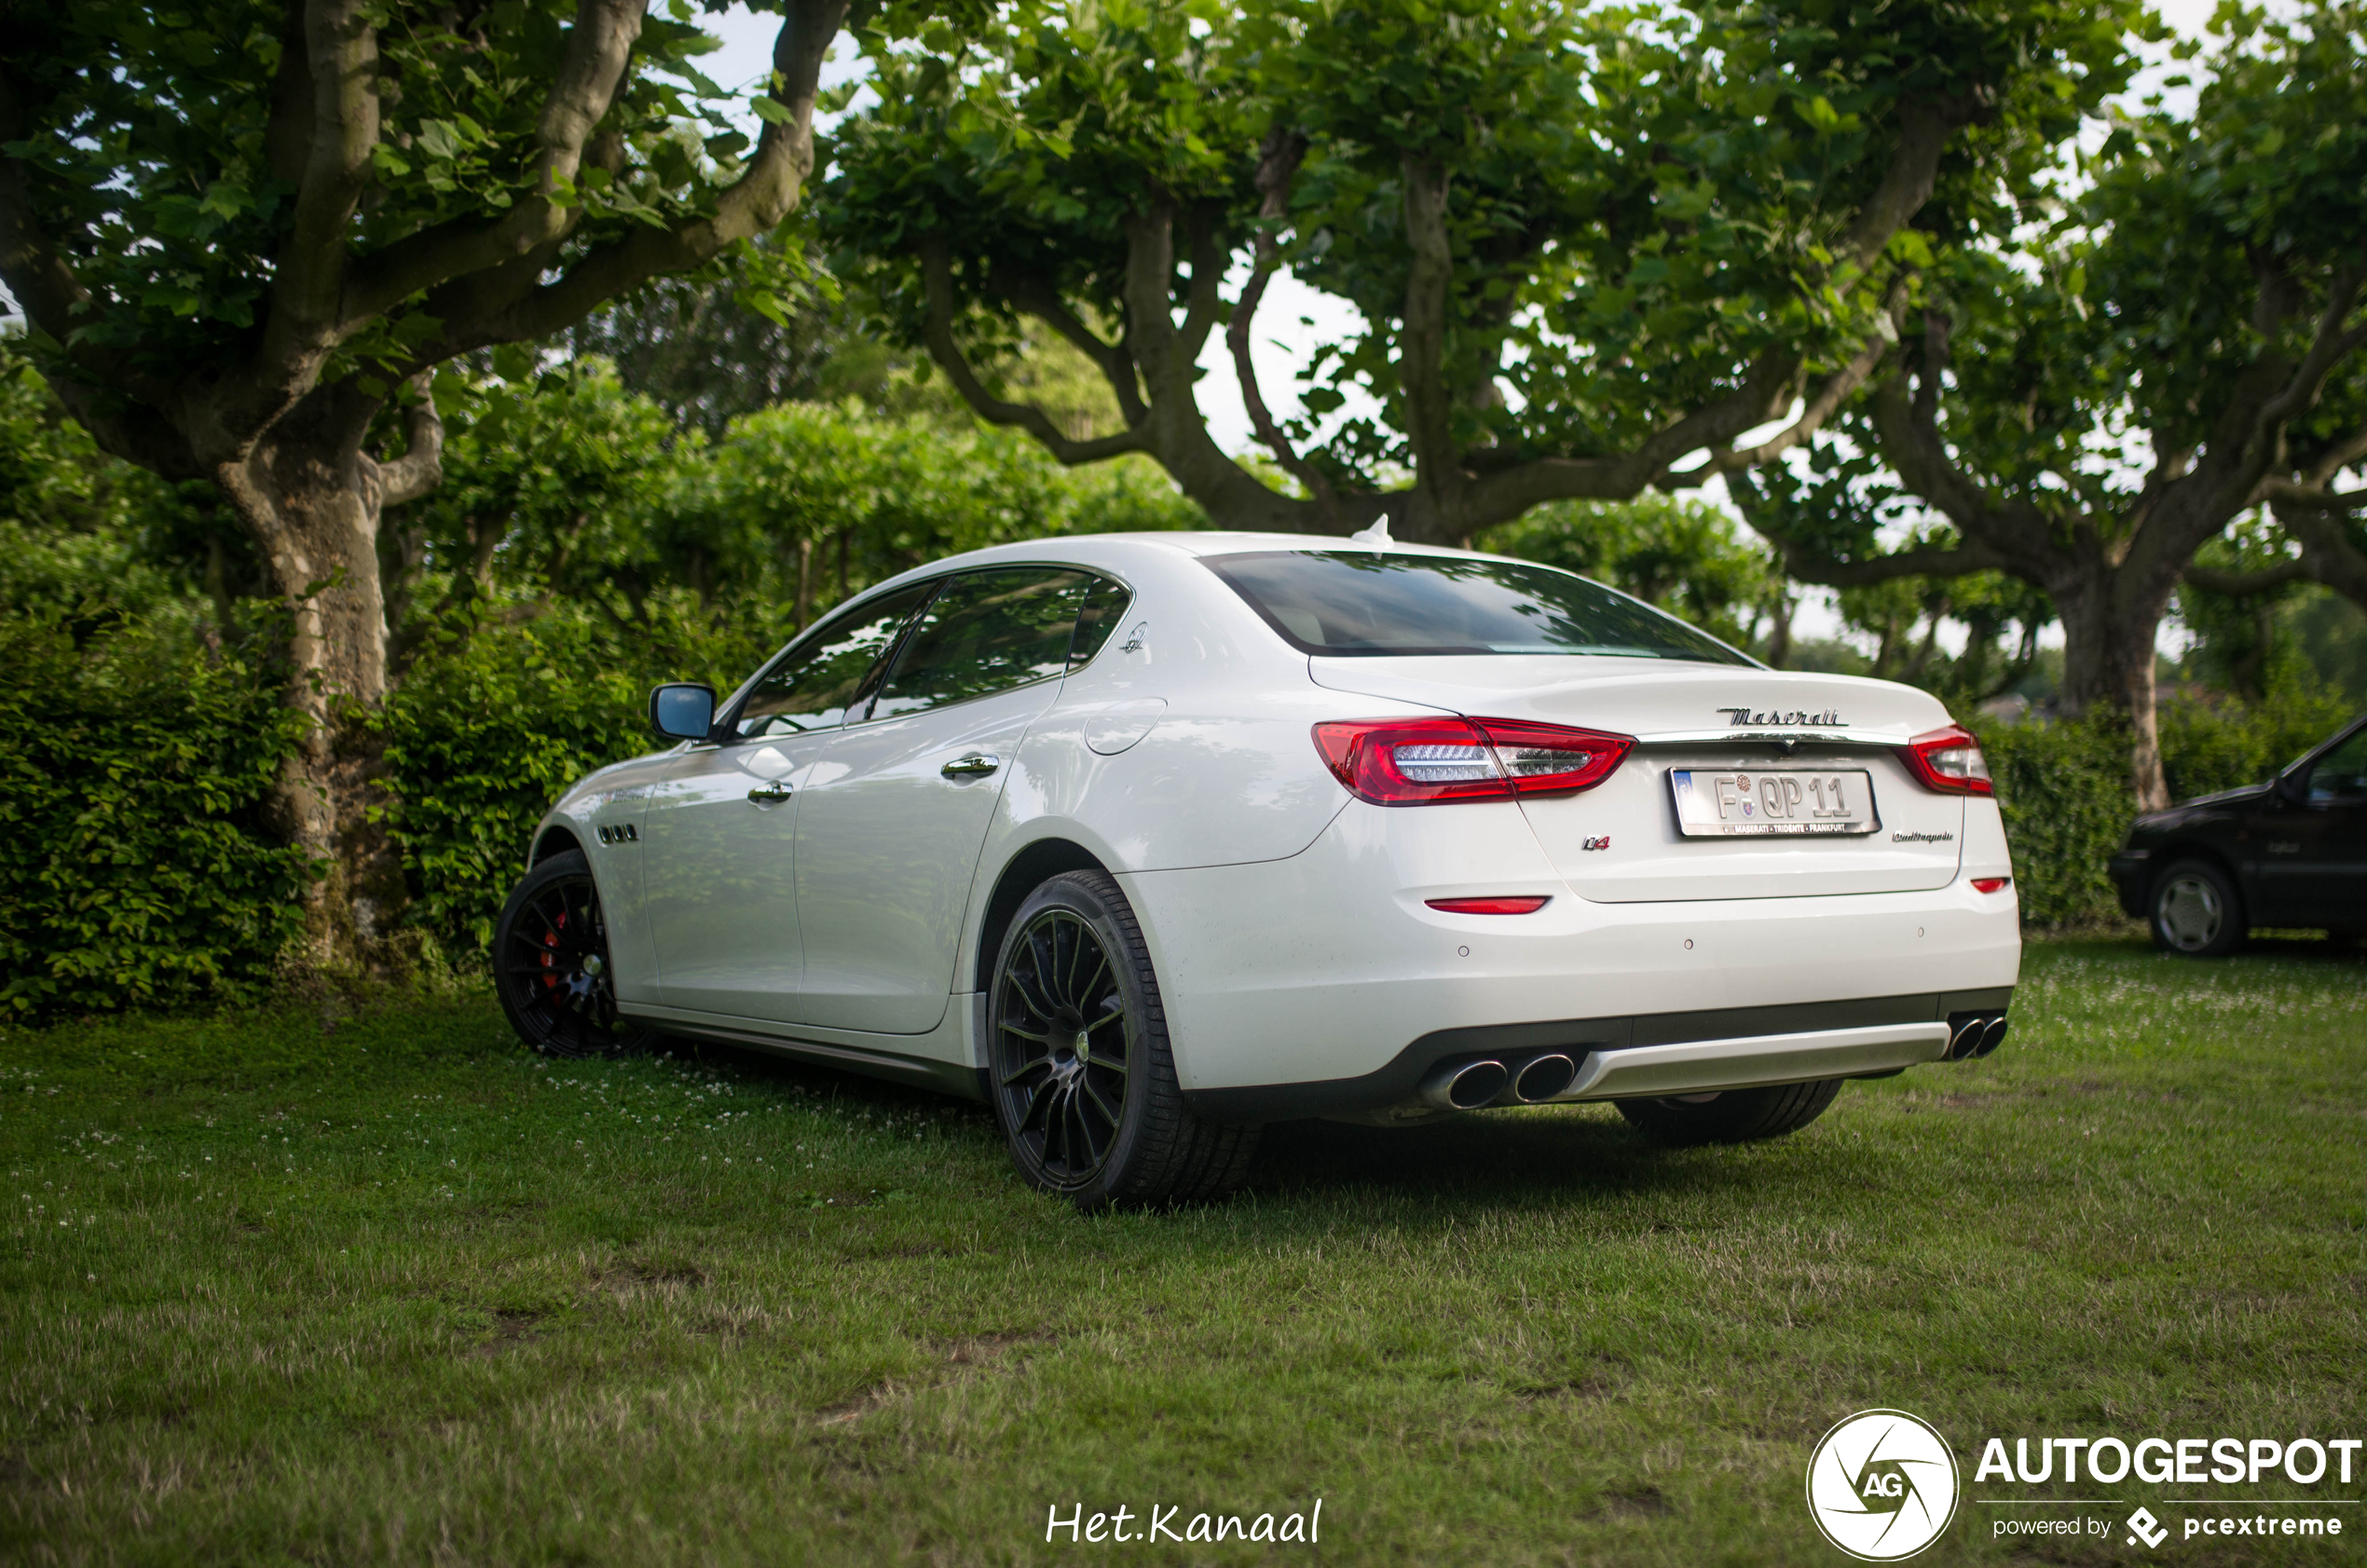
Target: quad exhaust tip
1468	1085
1543	1078
1465	1085
1973	1034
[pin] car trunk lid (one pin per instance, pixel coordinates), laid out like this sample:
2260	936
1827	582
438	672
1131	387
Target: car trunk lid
1622	843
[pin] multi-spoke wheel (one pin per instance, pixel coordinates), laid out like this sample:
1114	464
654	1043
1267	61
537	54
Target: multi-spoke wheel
1083	1083
551	965
2197	912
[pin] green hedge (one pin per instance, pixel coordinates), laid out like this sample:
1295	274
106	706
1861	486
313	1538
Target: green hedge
135	870
2064	788
487	731
135	770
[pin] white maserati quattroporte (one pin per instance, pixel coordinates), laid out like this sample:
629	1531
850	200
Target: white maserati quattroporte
1149	839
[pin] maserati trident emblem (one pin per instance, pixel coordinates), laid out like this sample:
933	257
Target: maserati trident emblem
1739	718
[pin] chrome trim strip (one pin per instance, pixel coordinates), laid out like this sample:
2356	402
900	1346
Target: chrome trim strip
1842	736
1753	1061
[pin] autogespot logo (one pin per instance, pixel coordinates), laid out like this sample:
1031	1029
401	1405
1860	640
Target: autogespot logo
1881	1485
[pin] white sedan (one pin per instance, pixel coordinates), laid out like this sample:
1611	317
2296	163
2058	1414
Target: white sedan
1148	839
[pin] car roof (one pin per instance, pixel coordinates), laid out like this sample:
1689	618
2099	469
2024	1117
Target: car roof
1191	543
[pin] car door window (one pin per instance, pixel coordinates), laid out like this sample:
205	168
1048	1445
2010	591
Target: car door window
1104	603
2341	774
814	684
988	631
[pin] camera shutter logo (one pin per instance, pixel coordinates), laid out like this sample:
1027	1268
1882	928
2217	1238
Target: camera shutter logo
1881	1485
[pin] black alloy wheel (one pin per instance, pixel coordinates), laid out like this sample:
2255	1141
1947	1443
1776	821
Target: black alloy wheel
552	967
1083	1081
1063	1024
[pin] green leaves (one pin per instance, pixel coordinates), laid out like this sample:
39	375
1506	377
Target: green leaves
145	141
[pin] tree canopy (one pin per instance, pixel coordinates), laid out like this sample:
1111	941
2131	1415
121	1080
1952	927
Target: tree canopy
1592	250
2085	404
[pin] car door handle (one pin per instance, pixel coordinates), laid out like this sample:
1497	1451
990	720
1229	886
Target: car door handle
976	765
771	795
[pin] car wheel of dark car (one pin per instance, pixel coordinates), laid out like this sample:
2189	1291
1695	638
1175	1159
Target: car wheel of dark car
1085	1086
1733	1116
551	965
2196	911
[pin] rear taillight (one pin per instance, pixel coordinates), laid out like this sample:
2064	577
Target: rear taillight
1420	761
1948	760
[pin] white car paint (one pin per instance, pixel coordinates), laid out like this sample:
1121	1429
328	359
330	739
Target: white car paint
1287	920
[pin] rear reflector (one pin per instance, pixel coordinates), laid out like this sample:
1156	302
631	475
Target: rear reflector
1489	905
1948	760
1990	884
1420	761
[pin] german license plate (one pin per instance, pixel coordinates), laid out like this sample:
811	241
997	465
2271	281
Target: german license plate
1772	802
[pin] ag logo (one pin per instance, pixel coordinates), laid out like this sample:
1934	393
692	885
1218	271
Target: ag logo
1881	1485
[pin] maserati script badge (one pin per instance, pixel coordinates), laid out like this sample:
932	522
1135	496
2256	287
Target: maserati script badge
1740	718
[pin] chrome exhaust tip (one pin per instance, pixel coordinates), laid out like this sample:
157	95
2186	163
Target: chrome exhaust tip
1973	1034
1465	1085
1543	1077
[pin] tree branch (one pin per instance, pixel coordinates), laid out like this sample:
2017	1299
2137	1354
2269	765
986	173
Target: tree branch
1837	390
1278	167
1030	291
1430	410
600	48
341	89
2327	551
937	271
420	468
1767	391
764	194
1204	305
2336	458
2243	585
1940	561
1924	126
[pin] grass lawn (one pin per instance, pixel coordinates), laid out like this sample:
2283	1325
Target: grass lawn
397	1291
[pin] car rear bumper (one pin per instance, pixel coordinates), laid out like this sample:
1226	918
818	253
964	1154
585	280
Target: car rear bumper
1651	1056
1325	983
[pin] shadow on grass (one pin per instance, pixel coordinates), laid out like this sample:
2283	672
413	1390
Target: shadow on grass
1490	1160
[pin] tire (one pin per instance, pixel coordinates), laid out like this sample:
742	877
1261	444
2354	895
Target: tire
1732	1116
551	965
1081	1076
2196	911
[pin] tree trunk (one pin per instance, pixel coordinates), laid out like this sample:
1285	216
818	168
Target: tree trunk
313	499
2108	626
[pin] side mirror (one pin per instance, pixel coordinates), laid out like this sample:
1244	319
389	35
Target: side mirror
683	711
2294	787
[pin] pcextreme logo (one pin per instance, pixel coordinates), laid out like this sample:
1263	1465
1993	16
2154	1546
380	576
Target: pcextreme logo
1881	1485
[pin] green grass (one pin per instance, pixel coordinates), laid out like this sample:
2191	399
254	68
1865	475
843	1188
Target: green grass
397	1291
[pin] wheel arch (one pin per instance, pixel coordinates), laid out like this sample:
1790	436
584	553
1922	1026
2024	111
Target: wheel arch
554	839
1021	875
2169	856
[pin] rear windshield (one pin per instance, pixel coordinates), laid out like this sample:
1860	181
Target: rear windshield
1355	603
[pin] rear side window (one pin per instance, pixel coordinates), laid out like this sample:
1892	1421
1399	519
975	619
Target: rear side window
819	679
1105	602
987	632
2341	774
1351	604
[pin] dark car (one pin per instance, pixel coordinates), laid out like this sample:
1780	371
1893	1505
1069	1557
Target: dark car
2290	852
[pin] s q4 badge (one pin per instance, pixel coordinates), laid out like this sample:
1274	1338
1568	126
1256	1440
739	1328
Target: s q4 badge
1881	1485
1602	843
